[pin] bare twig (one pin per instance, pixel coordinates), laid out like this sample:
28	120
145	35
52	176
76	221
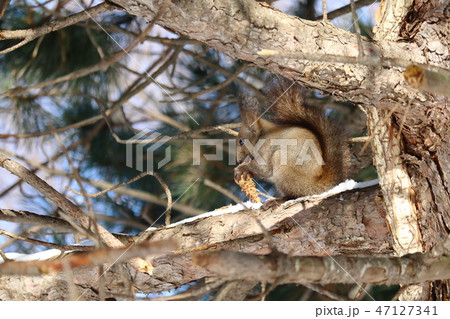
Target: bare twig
346	9
79	124
357	29
77	177
194	291
160	117
121	190
134	89
224	71
3	256
96	257
217	87
221	190
131	180
29	35
58	224
102	65
156	175
185	135
58	199
84	141
324	10
321	290
47	244
26	217
3	6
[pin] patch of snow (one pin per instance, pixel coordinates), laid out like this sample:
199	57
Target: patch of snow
42	255
342	187
217	212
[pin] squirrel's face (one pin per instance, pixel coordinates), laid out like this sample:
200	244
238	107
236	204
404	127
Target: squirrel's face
247	134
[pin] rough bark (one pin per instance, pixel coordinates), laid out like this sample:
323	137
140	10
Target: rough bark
415	174
416	32
355	224
351	223
282	269
421	173
394	182
243	28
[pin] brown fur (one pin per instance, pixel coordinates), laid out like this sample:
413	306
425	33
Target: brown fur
289	110
290	119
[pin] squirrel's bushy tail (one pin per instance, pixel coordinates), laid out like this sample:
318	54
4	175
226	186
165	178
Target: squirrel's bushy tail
286	107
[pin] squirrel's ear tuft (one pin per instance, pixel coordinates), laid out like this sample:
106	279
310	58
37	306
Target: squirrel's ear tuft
248	106
249	118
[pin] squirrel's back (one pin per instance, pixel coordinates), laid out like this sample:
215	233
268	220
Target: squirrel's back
286	102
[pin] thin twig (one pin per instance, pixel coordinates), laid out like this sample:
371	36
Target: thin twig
357	29
77	177
185	135
325	292
102	65
221	190
324	10
377	126
2	254
151	173
346	9
217	87
79	124
84	141
29	35
132	180
361	292
46	244
194	291
58	224
359	139
134	89
224	71
188	210
57	198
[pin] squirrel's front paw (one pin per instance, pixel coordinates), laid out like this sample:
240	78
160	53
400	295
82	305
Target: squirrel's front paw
241	170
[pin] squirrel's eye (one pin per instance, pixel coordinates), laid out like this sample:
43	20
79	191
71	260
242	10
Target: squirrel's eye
241	142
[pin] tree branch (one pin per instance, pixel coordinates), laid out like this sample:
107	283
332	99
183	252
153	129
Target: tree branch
283	269
104	64
136	193
96	257
349	223
243	28
30	34
59	200
53	223
346	9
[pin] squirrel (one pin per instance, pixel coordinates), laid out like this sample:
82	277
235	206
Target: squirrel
297	148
